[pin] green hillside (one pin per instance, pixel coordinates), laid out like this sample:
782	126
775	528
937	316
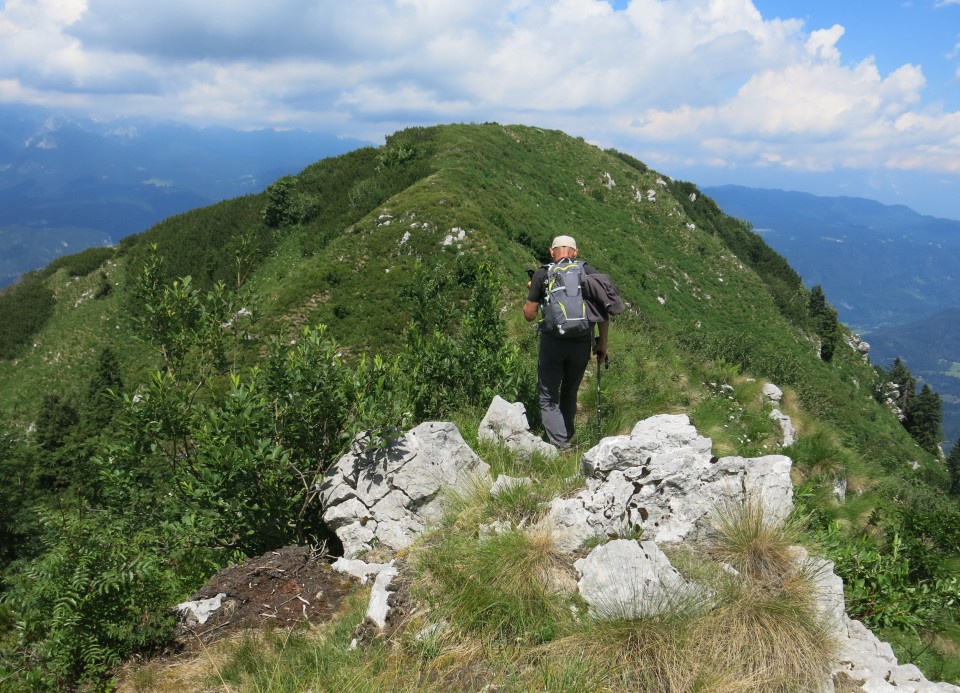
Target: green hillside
412	258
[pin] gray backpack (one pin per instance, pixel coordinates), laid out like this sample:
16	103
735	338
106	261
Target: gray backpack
564	307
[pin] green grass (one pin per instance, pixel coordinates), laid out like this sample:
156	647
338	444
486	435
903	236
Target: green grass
705	306
500	610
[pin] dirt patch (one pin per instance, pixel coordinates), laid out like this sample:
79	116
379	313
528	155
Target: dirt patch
279	589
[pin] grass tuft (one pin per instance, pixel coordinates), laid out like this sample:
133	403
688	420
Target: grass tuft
743	535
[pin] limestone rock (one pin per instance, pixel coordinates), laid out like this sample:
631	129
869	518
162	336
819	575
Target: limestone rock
379	609
663	480
772	393
857	344
629	579
359	569
388	495
506	423
867	659
787	433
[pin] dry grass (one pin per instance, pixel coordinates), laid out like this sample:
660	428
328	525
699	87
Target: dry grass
503	602
745	537
188	671
769	639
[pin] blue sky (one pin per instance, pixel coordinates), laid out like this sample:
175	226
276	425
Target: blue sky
857	97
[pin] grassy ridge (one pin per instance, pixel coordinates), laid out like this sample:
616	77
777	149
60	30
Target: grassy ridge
363	242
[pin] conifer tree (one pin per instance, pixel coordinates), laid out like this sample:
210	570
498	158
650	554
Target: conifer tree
825	323
906	384
953	466
101	392
924	419
55	421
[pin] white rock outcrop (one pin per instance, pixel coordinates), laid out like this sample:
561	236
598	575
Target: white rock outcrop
506	423
662	479
772	393
630	579
788	434
387	496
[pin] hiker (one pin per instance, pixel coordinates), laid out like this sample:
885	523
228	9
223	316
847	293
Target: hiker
564	348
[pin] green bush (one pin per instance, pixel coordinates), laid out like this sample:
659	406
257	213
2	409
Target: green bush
471	365
880	590
80	264
24	310
102	589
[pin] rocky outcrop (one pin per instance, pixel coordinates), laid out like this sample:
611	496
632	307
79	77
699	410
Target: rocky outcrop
663	480
505	423
788	435
858	345
386	496
630	579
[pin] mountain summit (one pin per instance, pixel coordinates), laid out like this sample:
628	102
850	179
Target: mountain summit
171	405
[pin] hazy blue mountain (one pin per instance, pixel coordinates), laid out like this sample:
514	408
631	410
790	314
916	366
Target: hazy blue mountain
931	349
891	273
880	265
74	183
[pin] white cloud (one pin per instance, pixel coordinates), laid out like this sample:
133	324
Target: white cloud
707	81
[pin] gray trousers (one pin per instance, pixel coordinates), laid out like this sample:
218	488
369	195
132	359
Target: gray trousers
560	369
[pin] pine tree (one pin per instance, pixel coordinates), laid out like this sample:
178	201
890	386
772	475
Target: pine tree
824	319
953	466
906	384
924	419
55	421
105	384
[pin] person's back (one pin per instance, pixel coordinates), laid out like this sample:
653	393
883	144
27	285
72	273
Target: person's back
564	352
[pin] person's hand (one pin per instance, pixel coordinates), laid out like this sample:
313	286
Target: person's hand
601	351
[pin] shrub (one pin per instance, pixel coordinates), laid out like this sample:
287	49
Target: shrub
101	590
24	310
80	264
880	591
471	365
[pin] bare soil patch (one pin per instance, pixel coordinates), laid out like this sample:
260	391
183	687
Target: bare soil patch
280	589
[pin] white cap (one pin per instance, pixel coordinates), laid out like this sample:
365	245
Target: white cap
564	242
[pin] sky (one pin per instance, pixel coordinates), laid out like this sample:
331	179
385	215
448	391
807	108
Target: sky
852	97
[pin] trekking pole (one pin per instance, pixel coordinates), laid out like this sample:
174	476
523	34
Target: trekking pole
599	420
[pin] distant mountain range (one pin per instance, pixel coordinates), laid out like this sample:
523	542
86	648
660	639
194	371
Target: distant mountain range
67	184
880	265
891	273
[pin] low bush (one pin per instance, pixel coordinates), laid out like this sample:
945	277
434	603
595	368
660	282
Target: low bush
25	308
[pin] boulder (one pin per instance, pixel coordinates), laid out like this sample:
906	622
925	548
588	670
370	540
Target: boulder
788	434
772	393
360	569
379	608
505	423
662	479
630	579
388	495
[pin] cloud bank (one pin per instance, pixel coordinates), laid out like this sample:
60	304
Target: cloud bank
684	82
